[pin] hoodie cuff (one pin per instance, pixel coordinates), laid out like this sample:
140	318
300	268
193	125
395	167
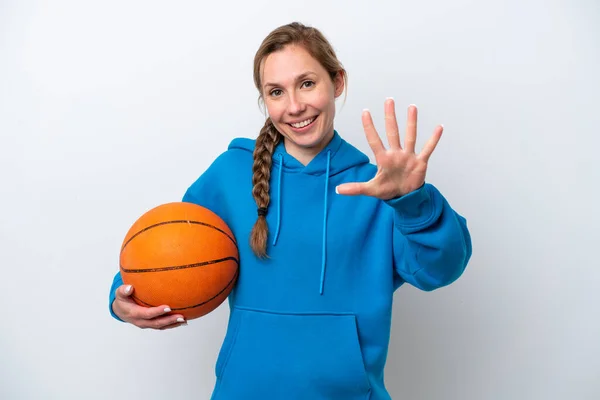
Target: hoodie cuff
117	281
416	210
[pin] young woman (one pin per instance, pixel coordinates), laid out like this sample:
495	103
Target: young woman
330	236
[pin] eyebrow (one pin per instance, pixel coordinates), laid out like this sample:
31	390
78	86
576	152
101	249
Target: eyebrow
298	78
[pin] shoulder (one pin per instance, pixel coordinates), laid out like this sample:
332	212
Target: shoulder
238	152
242	143
231	160
230	167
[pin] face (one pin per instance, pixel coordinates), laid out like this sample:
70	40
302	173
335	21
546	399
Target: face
300	99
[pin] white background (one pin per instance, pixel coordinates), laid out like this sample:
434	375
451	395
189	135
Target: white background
110	108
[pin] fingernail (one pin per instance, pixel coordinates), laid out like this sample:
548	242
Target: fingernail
127	288
180	319
412	105
389	98
336	190
167	309
365	110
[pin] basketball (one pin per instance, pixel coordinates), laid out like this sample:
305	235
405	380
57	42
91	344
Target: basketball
181	255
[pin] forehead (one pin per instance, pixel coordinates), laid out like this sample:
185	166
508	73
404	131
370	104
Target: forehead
286	64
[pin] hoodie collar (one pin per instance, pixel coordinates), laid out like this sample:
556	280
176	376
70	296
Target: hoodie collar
317	166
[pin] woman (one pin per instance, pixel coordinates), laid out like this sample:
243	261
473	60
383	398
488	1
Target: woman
331	236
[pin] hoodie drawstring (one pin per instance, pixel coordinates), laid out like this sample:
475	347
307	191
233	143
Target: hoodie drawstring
278	199
324	248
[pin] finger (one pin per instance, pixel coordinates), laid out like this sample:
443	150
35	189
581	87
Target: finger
429	147
411	129
354	189
391	124
152	312
124	291
176	325
162	322
372	136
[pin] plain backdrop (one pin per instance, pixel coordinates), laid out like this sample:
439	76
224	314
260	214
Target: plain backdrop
110	108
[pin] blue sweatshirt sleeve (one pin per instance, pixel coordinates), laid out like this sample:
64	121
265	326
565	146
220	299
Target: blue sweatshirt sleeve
117	281
204	192
432	244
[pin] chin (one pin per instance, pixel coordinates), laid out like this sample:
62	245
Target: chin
312	138
307	141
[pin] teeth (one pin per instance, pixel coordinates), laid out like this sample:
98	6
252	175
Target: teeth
303	123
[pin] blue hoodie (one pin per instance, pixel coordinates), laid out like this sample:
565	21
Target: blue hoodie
312	322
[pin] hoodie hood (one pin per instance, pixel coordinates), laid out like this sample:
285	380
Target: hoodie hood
336	157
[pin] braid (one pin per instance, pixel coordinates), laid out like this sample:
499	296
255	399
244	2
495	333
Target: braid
268	138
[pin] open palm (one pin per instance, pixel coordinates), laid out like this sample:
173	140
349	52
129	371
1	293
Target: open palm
399	169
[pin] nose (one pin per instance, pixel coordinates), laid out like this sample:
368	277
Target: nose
295	106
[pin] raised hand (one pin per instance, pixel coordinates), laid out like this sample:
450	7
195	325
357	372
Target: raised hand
399	169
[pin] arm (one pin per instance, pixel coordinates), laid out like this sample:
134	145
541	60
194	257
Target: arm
432	244
204	192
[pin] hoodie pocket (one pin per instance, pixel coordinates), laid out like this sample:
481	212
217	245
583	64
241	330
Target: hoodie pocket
274	356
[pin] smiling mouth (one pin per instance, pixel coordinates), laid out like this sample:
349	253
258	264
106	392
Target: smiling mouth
303	124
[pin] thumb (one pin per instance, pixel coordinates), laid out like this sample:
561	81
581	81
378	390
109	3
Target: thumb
124	291
353	188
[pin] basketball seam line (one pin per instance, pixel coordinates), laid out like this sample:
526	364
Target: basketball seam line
195	305
176	267
177	222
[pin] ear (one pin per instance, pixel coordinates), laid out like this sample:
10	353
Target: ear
339	83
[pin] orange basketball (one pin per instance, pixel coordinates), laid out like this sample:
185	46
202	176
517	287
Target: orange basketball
182	255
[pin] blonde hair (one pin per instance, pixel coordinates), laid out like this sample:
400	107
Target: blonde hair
313	41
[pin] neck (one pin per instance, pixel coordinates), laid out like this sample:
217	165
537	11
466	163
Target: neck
305	154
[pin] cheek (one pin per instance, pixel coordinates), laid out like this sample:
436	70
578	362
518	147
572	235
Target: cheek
325	102
274	111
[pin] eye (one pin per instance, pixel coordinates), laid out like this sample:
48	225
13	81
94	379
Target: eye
275	92
308	84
